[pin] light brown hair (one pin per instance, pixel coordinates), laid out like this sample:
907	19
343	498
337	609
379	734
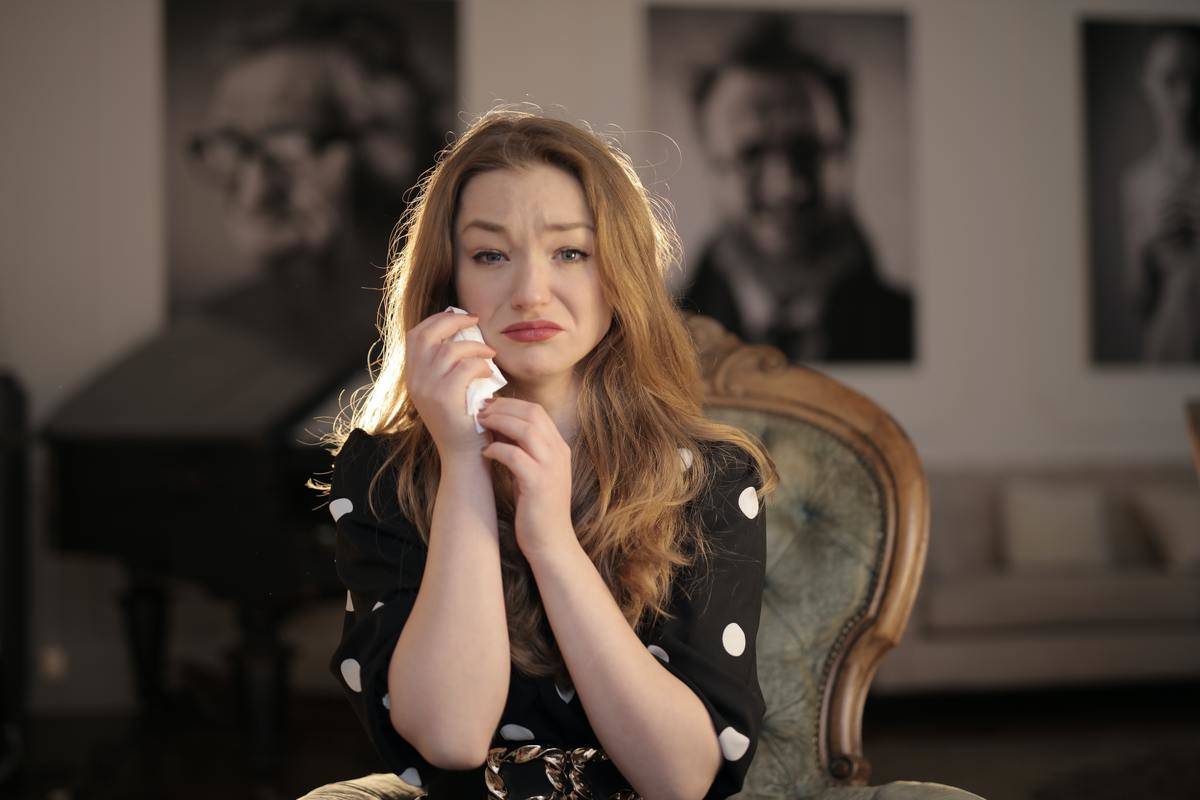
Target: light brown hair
640	400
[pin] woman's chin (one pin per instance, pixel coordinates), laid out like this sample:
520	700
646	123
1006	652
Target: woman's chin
524	369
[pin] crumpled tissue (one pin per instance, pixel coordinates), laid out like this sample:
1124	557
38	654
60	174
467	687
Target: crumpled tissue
479	389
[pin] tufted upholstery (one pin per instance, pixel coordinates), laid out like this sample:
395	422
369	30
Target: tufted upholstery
846	538
824	530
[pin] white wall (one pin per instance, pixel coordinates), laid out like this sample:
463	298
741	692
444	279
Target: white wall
1000	246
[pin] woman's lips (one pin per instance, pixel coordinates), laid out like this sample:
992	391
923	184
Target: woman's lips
532	334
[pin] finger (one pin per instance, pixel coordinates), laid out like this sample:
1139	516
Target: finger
517	460
459	376
450	355
515	428
423	343
422	327
518	430
441	326
517	407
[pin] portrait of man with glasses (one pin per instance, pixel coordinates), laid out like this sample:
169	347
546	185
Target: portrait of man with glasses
787	260
306	124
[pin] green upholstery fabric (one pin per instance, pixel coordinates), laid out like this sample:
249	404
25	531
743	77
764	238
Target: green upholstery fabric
377	786
824	537
896	790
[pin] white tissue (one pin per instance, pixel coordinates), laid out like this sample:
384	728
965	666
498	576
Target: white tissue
479	389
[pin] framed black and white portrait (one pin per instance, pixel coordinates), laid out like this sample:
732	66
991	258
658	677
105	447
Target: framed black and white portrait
794	194
1142	127
294	129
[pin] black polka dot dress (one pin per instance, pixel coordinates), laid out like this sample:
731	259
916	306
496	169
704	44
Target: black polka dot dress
709	646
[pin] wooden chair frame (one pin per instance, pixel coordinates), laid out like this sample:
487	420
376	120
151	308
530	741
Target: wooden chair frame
759	377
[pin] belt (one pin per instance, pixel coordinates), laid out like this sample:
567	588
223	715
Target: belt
581	773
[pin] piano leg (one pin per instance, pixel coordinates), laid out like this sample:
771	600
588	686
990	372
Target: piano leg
261	668
144	604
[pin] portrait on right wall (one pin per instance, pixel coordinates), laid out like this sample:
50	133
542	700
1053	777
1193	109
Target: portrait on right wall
793	189
1142	122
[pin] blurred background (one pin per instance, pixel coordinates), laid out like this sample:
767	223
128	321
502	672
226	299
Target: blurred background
983	214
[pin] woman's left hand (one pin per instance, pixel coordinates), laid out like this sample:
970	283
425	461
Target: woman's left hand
540	462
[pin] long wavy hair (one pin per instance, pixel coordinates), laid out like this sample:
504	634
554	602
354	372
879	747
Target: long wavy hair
640	402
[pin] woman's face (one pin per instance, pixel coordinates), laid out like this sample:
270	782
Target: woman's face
525	250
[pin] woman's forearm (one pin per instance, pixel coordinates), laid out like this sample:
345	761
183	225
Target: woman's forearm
651	725
449	674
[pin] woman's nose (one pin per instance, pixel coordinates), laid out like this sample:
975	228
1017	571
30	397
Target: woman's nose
532	283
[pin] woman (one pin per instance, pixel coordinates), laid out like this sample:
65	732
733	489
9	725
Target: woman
585	576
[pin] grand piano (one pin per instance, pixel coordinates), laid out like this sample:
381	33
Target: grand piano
188	457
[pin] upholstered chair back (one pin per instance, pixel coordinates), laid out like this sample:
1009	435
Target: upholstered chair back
846	537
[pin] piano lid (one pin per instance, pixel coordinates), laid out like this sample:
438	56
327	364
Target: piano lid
201	378
246	365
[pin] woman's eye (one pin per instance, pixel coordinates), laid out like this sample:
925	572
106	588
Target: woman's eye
579	255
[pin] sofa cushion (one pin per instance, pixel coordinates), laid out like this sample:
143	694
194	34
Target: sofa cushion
1055	525
1173	515
1051	599
964	533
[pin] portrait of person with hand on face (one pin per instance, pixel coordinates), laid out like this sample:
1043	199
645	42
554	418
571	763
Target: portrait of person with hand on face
565	579
1142	126
1161	202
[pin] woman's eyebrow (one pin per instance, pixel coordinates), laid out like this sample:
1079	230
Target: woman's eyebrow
496	227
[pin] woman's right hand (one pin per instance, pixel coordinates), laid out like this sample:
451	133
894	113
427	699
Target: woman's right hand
438	372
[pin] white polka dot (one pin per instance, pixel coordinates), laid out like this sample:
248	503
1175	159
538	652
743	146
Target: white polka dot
352	674
685	455
349	602
565	694
748	501
387	702
512	732
411	777
733	744
378	604
342	505
734	639
658	652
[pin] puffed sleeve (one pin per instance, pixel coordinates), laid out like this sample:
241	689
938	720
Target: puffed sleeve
380	561
709	646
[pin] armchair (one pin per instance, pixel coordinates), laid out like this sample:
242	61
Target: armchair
846	542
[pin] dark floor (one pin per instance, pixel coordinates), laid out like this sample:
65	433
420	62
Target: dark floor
1127	742
1100	743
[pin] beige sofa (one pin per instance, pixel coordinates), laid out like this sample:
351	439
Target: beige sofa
1055	576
